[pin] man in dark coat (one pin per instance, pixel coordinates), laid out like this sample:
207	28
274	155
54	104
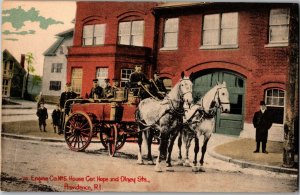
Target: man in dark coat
66	95
262	121
56	114
96	91
42	115
137	79
157	87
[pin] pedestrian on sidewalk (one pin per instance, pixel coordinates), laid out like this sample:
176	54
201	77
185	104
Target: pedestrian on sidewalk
42	115
262	121
56	114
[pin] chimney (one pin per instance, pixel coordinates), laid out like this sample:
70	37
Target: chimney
22	60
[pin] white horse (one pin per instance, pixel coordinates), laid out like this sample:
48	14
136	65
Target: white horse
166	117
200	120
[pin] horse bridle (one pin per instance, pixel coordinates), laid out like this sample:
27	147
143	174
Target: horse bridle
219	100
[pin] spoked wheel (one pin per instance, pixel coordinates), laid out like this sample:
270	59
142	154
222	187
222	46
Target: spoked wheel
121	138
78	131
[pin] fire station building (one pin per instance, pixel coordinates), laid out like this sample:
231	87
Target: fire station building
245	44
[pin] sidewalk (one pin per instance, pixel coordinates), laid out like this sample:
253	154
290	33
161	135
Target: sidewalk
22	124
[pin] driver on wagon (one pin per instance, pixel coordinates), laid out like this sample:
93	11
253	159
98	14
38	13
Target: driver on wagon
138	81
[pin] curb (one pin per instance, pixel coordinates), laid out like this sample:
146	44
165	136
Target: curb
245	164
24	137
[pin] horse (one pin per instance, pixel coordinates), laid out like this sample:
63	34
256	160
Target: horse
200	120
164	116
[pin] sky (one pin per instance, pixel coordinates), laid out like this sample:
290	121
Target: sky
31	26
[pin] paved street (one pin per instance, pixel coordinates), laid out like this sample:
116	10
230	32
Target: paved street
46	161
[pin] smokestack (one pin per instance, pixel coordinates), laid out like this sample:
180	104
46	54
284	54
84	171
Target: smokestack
22	60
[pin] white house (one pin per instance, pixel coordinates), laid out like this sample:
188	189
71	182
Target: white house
55	66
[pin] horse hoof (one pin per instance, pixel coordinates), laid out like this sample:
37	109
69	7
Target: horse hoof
150	162
179	163
170	169
201	169
140	162
187	164
195	169
158	169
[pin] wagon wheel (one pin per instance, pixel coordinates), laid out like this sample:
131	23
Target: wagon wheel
112	140
78	131
121	139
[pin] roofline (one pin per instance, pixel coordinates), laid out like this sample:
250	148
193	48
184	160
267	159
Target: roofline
62	34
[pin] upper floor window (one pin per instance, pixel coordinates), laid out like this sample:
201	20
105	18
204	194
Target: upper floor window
125	75
220	30
56	67
279	26
131	33
275	102
101	75
93	34
171	33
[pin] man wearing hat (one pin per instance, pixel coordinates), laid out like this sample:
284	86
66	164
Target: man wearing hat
66	95
138	82
107	89
115	87
157	86
262	121
96	91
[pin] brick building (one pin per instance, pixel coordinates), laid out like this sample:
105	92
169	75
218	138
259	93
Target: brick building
244	44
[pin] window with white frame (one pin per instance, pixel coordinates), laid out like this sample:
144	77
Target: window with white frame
279	25
220	29
171	33
76	80
274	99
131	33
93	34
125	75
56	67
101	75
55	85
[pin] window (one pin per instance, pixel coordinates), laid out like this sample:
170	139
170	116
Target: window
279	26
56	67
171	33
101	74
168	83
274	99
125	74
77	80
5	87
55	85
220	30
131	33
93	34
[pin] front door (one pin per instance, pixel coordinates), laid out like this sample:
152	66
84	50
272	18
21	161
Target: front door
226	123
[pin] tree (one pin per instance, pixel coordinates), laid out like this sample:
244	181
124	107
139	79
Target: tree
291	126
30	69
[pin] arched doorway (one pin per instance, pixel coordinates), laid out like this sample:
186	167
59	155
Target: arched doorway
226	123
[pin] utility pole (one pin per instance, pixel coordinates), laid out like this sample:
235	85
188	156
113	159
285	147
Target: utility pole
291	126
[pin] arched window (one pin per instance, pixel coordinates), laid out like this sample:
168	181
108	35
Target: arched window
274	99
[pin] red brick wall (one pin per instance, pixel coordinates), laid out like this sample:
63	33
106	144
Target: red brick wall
110	55
261	66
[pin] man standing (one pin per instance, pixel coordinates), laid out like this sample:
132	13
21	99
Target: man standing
157	86
138	82
66	95
42	115
262	122
96	91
